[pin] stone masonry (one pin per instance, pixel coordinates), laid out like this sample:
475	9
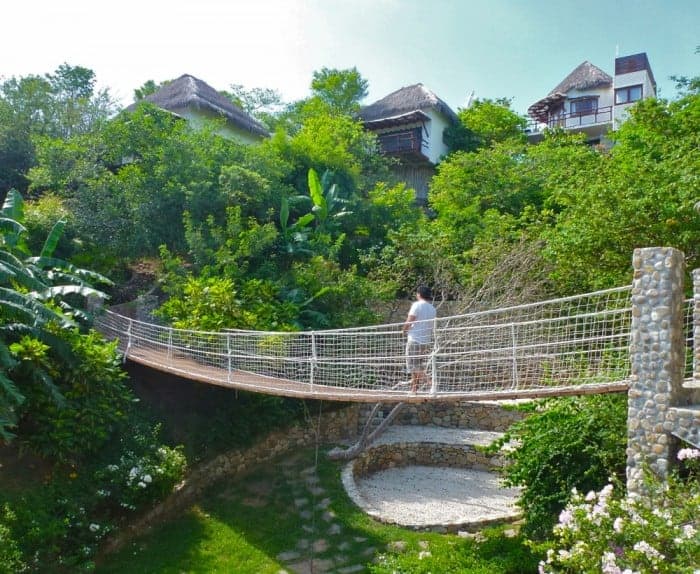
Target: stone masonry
656	395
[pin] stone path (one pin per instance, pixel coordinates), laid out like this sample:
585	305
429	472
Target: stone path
414	496
323	549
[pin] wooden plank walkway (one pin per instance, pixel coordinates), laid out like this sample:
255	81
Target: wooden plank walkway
243	380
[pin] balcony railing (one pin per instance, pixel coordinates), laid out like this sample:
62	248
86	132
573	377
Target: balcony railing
409	141
573	120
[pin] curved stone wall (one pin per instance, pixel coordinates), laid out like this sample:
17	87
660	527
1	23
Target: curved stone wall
404	454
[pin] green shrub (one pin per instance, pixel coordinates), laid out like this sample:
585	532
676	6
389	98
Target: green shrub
573	442
94	397
10	554
58	528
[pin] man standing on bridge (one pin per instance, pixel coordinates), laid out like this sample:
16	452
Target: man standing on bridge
419	326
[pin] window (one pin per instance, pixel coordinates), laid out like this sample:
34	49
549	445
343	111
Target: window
584	106
628	95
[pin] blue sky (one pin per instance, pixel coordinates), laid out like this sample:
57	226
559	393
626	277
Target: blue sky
497	48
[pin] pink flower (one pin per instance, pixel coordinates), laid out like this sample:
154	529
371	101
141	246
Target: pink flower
688	454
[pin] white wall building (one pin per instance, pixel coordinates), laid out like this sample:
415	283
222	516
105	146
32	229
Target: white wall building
592	102
409	124
197	102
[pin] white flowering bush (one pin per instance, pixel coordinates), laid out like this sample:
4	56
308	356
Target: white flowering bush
655	534
141	475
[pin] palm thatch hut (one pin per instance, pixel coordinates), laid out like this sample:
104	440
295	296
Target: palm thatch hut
409	124
196	101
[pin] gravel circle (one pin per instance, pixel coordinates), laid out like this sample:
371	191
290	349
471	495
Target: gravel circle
422	496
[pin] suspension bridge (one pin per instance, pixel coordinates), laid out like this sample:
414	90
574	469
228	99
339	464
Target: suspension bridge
565	346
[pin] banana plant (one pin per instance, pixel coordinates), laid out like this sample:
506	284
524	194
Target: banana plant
328	205
296	235
37	296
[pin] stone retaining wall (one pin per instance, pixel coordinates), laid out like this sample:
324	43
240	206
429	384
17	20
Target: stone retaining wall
335	426
393	455
482	415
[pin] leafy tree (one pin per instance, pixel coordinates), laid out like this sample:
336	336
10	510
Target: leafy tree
484	123
640	193
264	104
61	104
341	90
147	88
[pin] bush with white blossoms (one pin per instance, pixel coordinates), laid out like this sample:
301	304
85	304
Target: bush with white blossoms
143	474
658	533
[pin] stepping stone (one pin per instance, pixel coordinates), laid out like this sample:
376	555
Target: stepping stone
369	551
334	529
320	546
351	569
288	555
395	545
343	546
328	515
360	539
317	490
303	544
307	567
299	502
323	504
306	514
309	471
311	480
307	528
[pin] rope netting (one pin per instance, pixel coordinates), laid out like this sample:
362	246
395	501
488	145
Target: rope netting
569	345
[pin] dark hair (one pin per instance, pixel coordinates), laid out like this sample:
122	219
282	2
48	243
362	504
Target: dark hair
424	292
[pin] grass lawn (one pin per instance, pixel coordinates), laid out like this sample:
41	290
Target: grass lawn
288	513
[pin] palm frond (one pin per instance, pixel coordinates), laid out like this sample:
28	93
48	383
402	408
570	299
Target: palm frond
15	270
60	264
7	361
7	224
13	206
58	291
29	307
9	389
53	238
59	346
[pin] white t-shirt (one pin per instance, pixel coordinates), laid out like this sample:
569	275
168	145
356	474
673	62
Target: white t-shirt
421	331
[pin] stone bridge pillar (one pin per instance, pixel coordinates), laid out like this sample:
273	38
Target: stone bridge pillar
657	353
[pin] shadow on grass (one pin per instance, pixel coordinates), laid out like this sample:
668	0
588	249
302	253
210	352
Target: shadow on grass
242	525
298	512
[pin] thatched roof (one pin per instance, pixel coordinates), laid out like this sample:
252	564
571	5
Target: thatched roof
585	76
190	92
405	104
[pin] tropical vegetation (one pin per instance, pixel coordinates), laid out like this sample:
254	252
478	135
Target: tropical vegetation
309	229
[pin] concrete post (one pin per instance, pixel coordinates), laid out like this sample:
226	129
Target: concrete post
657	354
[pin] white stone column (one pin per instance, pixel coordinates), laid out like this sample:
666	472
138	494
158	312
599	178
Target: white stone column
657	353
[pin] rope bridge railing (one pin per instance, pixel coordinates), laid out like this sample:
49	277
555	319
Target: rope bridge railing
562	346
